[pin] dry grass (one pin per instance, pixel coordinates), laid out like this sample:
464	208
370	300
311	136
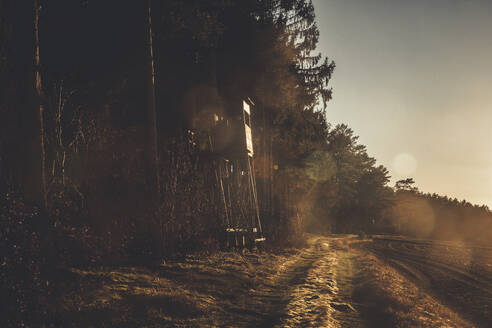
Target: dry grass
199	291
130	297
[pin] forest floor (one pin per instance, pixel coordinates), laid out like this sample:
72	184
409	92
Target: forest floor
335	281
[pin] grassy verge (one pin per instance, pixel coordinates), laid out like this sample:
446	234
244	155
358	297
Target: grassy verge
198	291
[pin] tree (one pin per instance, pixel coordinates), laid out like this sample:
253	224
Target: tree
40	100
375	197
5	35
355	196
153	154
406	185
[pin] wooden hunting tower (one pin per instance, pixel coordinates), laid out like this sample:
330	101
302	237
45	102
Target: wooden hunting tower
231	143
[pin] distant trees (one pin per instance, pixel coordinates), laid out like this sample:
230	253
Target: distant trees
431	215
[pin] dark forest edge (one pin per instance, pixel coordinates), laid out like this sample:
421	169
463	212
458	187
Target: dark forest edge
112	178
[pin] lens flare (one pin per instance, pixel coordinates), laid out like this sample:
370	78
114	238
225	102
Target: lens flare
404	164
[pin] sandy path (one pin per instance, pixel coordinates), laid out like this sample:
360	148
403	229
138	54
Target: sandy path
348	275
314	288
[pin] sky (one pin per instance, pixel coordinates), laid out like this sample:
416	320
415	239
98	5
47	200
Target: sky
413	79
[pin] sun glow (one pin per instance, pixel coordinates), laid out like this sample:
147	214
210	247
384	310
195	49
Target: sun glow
404	164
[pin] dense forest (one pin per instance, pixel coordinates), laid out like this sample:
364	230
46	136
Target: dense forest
105	108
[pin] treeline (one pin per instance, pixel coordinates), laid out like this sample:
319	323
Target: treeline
434	216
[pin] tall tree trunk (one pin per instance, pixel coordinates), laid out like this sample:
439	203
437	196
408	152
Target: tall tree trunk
151	110
39	92
153	177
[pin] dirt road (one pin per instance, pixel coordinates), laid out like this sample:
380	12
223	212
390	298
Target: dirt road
336	281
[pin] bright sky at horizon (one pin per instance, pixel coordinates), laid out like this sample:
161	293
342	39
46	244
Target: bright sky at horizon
414	82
